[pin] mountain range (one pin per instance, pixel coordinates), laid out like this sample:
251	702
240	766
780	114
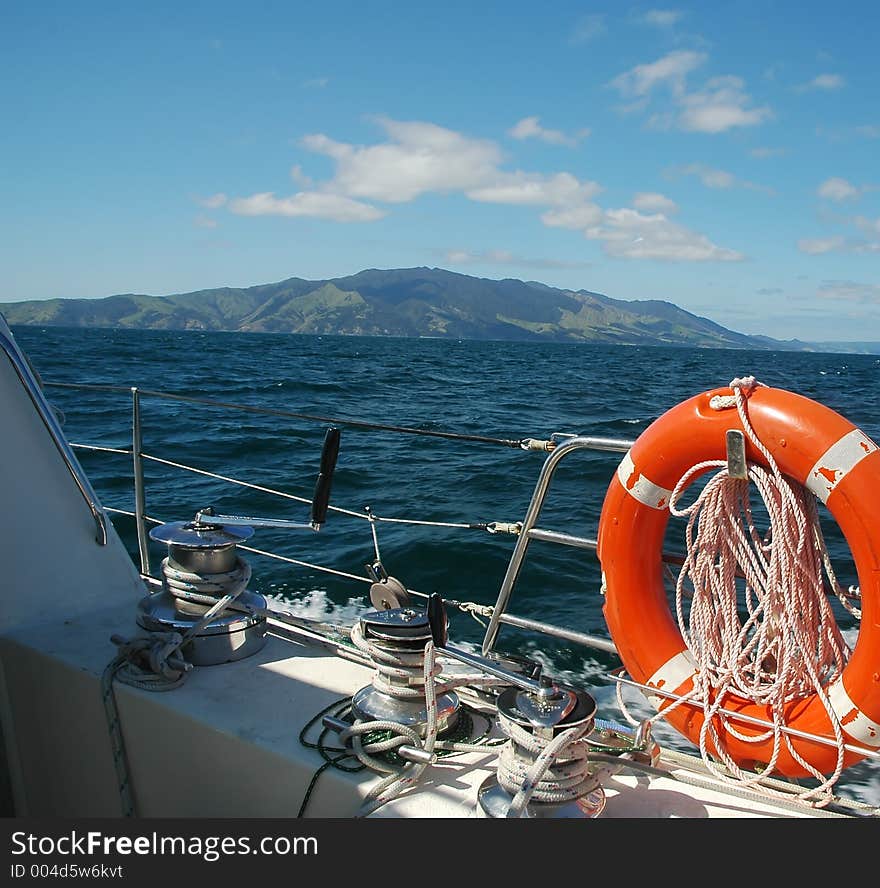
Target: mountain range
401	302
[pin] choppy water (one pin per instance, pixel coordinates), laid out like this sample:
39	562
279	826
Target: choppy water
493	389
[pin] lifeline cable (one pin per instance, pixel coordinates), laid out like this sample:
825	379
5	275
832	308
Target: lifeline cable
517	444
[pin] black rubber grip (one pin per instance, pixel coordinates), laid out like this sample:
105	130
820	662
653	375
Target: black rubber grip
329	455
437	620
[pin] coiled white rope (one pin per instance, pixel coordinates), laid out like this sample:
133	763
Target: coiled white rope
152	661
206	588
405	665
789	645
559	770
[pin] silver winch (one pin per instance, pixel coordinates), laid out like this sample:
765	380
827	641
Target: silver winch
540	716
395	639
204	593
201	569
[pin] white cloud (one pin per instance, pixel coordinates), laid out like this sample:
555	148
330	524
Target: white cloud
314	204
316	82
710	177
869	243
822	82
204	222
660	18
419	158
634	107
214	202
670	70
628	234
588	28
828	81
818	246
715	178
321	144
652	202
720	106
869	131
299	176
465	257
837	189
662	121
530	128
871	227
535	189
849	291
575	218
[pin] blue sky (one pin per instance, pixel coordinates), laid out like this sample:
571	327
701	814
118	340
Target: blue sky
721	156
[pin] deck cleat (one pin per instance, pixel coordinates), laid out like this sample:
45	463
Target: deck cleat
626	743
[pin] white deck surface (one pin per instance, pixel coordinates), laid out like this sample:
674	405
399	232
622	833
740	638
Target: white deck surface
226	743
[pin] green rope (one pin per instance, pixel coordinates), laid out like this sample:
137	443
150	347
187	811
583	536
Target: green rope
338	761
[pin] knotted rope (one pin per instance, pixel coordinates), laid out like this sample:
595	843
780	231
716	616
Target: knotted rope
152	661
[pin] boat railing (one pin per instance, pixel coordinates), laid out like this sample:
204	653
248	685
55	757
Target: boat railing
530	532
559	447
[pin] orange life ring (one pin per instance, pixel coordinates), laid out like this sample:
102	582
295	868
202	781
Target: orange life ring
821	450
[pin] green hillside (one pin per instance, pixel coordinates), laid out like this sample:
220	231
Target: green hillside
398	302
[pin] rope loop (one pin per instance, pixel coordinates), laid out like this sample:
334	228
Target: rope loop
744	384
149	660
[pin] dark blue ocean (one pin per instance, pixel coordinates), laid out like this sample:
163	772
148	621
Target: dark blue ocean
498	390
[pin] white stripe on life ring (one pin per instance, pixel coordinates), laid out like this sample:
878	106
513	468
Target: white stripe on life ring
856	724
671	676
839	459
639	487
